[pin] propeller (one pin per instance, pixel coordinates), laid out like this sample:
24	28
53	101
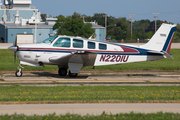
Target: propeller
15	49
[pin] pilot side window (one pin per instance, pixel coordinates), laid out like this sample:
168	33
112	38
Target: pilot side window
62	42
102	46
50	40
91	45
77	43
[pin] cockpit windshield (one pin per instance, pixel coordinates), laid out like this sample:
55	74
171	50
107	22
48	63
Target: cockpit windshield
49	40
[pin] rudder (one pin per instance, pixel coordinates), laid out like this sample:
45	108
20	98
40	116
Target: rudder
161	40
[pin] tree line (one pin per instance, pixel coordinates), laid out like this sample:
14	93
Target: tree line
117	28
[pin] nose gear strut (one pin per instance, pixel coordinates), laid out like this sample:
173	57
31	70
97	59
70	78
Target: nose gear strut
18	73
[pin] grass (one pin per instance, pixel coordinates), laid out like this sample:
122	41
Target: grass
103	116
169	64
88	94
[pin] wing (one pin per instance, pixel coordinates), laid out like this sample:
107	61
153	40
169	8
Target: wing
75	60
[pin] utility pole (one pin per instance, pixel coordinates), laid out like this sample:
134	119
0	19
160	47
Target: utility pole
155	20
35	29
131	16
105	23
83	18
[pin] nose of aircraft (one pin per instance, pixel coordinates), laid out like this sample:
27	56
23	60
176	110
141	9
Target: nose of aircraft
13	48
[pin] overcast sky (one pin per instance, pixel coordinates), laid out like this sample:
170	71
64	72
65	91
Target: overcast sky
168	10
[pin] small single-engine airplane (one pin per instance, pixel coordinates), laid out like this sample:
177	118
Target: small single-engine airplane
76	52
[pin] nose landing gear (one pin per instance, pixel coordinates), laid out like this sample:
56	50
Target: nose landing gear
18	73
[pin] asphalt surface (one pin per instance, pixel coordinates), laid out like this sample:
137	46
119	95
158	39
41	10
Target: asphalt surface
91	77
92	109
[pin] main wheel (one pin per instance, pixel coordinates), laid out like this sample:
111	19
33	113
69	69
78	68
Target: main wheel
62	71
72	74
18	73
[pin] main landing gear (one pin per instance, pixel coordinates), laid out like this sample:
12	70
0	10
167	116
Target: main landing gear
63	72
18	73
72	74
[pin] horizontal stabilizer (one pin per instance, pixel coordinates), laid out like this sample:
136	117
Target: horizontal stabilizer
165	54
156	52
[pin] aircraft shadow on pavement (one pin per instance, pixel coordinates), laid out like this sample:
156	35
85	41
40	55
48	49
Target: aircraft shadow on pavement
54	75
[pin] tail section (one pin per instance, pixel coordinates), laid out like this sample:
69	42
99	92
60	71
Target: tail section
161	41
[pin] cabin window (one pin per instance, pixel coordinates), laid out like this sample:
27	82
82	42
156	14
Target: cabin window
91	45
102	46
62	42
77	43
49	40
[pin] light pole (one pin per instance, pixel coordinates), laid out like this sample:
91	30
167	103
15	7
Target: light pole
131	24
36	19
155	20
105	23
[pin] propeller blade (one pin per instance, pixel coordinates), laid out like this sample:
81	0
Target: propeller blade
15	49
14	58
15	43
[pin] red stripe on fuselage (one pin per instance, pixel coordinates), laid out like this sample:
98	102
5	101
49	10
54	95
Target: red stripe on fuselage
126	50
129	50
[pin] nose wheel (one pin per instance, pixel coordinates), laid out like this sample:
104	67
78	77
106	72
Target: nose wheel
18	73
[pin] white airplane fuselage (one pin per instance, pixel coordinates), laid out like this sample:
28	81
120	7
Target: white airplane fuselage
115	54
76	52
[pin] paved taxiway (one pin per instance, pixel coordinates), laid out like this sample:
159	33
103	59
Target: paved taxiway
90	77
95	109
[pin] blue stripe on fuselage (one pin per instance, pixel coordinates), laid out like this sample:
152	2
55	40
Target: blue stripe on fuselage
141	51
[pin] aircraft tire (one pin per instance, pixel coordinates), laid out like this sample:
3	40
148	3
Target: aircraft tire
62	71
72	74
18	73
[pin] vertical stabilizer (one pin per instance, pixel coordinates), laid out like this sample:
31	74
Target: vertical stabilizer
161	40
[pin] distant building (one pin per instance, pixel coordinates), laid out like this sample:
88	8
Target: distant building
99	31
19	17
